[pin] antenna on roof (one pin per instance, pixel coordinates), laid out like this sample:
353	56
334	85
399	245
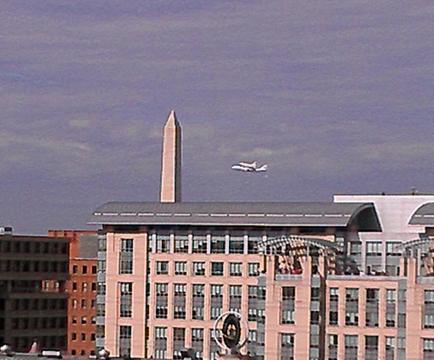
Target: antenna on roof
413	190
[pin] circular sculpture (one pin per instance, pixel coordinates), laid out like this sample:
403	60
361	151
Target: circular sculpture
230	326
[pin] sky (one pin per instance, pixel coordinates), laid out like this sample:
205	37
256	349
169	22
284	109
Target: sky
336	96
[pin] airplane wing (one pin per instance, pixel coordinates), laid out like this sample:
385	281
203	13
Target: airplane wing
263	168
252	165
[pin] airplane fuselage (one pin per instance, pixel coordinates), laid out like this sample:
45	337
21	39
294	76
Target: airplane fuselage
247	167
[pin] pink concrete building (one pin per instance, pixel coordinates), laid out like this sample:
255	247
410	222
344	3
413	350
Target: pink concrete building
348	279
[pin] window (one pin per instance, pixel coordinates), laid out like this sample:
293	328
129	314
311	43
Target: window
161	333
180	289
74	320
161	289
93	269
84	269
372	299
198	301
162	267
236	244
197	313
333	318
253	269
371	344
428	321
235	269
390	346
217	268
178	342
75	269
428	348
314	294
161	311
74	286
74	336
314	317
125	341
84	320
126	293
252	243
334	302
101	288
163	243
374	248
93	286
352	306
288	316
355	248
198	290
126	257
199	268
429	296
179	312
199	243
372	295
215	312
149	243
333	346
235	291
216	290
392	249
83	303
102	243
390	295
286	346
74	303
351	343
84	286
179	301
218	244
197	342
288	293
181	243
180	268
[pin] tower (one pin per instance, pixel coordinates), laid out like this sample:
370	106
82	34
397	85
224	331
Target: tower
170	190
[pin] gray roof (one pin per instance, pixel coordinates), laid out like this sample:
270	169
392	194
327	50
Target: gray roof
237	213
424	215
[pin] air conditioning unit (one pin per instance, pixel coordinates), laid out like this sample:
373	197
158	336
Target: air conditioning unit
6	230
52	354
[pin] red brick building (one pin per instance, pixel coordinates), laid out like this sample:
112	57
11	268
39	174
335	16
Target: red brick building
81	288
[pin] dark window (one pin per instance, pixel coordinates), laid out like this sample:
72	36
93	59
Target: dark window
217	268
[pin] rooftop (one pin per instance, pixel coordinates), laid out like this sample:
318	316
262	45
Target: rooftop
237	213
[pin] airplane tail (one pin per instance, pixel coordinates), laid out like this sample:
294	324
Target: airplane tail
262	168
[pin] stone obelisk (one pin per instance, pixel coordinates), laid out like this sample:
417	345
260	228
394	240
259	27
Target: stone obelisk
170	190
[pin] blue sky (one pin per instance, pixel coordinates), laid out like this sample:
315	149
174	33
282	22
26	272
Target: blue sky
336	96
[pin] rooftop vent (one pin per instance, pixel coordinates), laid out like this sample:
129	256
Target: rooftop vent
6	230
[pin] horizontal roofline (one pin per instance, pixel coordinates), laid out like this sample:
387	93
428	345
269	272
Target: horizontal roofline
307	214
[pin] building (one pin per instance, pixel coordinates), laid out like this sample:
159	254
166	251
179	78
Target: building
81	289
347	279
378	305
33	301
